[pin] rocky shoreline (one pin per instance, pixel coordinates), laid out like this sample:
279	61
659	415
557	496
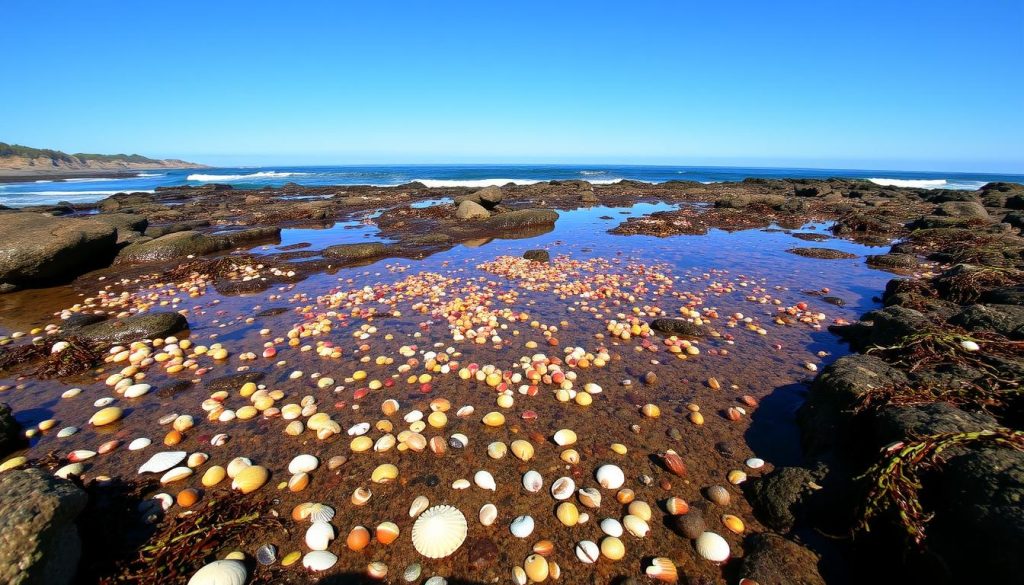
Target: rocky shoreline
917	436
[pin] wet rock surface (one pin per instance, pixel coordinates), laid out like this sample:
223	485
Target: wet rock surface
39	543
134	328
36	249
11	437
772	559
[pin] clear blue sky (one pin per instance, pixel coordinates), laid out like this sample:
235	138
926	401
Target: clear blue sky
928	85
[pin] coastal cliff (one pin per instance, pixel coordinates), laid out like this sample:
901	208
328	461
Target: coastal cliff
23	160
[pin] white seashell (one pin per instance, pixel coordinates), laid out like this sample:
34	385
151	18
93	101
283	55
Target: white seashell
436	579
72	469
713	547
611	527
319	535
610	477
533	481
465	411
219	439
359	429
320	513
197	459
140	443
461	484
755	463
236	465
413	416
522	526
162	461
136	390
105	401
418	505
565	437
969	345
587	552
303	464
484	480
176	474
81	455
488	514
319	560
458	440
439	531
563	488
385	443
71	393
636	526
220	573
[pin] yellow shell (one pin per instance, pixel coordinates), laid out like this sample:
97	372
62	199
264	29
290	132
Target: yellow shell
361	443
612	548
505	400
522	449
640	509
651	411
106	416
584	399
384	473
619	448
568	513
437	419
570	456
733	523
536	568
213	476
696	418
494	419
250	479
496	450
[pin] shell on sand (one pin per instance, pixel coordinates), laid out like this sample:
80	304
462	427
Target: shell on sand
439	531
220	573
163	461
319	560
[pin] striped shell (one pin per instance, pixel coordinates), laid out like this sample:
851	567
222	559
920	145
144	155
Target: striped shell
439	531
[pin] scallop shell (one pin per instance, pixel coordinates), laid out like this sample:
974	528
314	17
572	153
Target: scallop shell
610	477
220	573
418	506
488	514
163	461
319	535
439	531
532	481
713	547
522	526
250	479
662	569
563	488
587	551
484	480
303	464
319	560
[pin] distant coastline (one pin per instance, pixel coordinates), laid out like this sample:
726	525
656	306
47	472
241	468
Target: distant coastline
23	163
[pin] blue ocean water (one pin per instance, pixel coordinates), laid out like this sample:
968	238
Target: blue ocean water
85	190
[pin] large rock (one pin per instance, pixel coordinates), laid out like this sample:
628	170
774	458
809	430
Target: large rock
777	495
490	197
134	328
156	231
128	225
537	255
825	418
896	423
821	253
39	543
522	218
680	327
962	209
11	437
170	247
1006	320
471	210
892	261
356	252
773	560
891	325
38	250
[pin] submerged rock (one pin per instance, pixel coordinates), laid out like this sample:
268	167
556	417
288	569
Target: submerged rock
680	327
134	328
537	255
893	261
821	253
37	250
356	252
39	542
772	559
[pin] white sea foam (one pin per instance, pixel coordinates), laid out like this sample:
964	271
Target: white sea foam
913	183
231	178
472	182
78	193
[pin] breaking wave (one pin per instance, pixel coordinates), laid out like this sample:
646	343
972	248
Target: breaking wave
231	178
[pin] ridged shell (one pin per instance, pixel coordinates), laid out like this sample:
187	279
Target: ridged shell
303	464
713	547
163	461
250	479
220	573
719	495
532	481
488	514
662	569
674	463
610	477
690	525
319	535
439	531
319	560
484	480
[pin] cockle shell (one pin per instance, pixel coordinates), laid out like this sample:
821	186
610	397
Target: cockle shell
719	495
488	514
522	526
220	573
662	569
439	531
303	464
319	535
610	477
484	480
713	547
319	560
532	481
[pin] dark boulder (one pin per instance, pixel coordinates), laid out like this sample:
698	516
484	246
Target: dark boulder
134	328
11	436
170	247
821	253
893	261
680	327
356	252
156	231
776	497
1013	295
895	423
128	225
962	209
812	190
39	543
1006	320
537	255
773	560
513	220
891	325
37	250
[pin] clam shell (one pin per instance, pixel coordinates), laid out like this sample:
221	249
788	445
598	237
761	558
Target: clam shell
67	432
439	531
418	506
565	437
587	551
136	390
488	514
563	488
636	526
176	474
140	443
611	527
674	463
163	461
610	477
358	538
303	464
319	535
590	497
106	416
220	573
250	479
612	548
522	449
522	526
384	473
484	480
319	560
641	509
81	455
536	568
677	506
532	481
662	569
213	476
713	547
236	465
719	495
733	523
266	554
